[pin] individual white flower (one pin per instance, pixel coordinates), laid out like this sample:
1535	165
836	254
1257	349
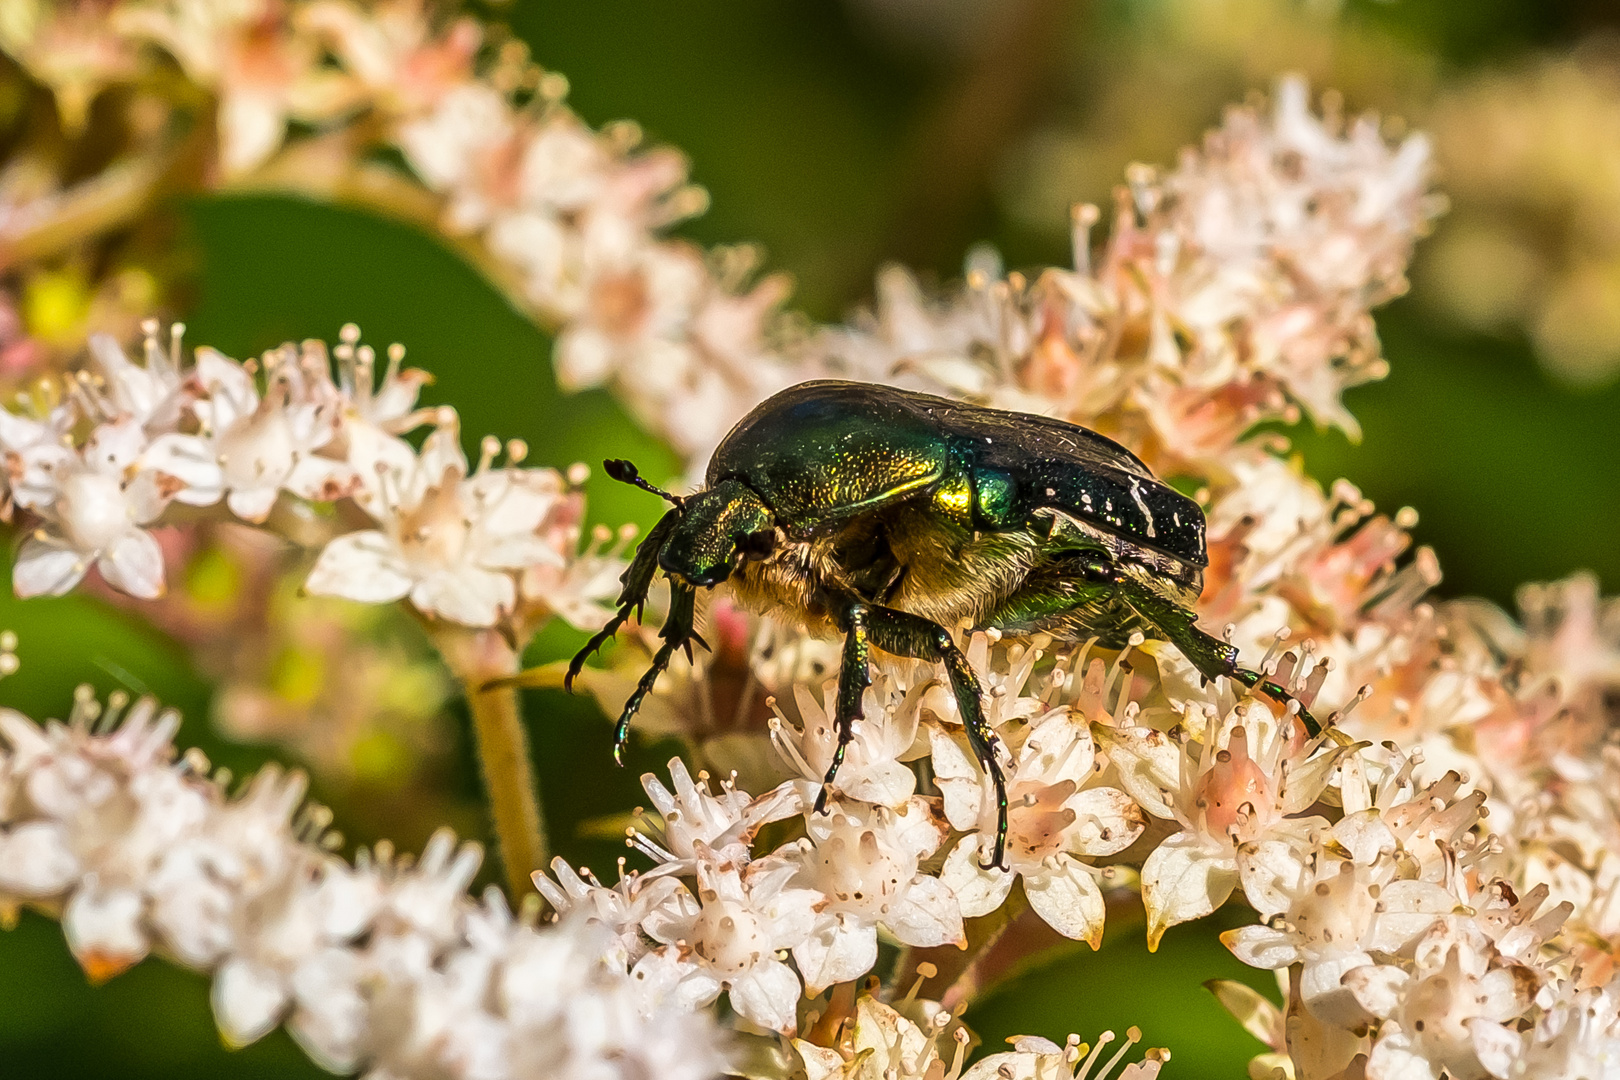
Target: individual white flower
638	299
872	770
622	908
1035	1058
864	860
449	541
883	1044
453	147
745	917
153	394
582	590
1053	817
696	823
385	401
269	443
35	451
1221	797
102	500
1451	1005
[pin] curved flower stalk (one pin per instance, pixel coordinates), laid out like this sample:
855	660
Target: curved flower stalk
386	966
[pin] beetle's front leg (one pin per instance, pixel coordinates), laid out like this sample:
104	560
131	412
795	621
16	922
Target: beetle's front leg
905	634
854	676
637	580
677	632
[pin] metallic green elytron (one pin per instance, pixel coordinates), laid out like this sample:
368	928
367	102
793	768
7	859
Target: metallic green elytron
889	517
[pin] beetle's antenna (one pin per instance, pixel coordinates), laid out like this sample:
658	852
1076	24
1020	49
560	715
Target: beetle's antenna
626	473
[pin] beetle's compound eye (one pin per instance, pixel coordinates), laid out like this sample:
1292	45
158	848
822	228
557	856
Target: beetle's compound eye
757	545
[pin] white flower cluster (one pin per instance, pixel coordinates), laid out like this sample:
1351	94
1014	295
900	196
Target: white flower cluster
385	967
1228	288
477	546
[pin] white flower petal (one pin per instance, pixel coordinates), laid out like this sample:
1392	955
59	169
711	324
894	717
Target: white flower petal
769	996
1067	898
1326	990
321	479
103	928
253	503
362	566
36	860
249	1000
466	595
1186	877
926	914
45	568
1394	1058
1149	764
1496	1047
1107	821
840	950
1377	987
187	459
978	891
1273	873
134	564
820	1063
1262	946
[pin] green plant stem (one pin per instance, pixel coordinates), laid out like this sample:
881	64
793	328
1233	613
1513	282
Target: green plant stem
503	756
477	657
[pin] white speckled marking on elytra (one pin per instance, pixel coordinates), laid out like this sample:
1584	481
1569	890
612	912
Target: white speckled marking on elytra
1141	504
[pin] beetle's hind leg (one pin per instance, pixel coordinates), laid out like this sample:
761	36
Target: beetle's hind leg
1210	655
854	676
905	634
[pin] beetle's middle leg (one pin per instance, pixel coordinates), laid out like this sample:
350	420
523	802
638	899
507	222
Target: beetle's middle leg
854	676
905	634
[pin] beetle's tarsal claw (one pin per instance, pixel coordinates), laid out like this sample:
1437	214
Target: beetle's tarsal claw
821	800
697	637
1256	681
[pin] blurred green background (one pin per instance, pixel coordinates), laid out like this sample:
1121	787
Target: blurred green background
840	136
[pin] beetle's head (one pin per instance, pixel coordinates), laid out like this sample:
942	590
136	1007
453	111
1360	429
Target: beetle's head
716	526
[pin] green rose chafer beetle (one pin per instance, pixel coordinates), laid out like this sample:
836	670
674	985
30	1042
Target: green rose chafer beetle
891	517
